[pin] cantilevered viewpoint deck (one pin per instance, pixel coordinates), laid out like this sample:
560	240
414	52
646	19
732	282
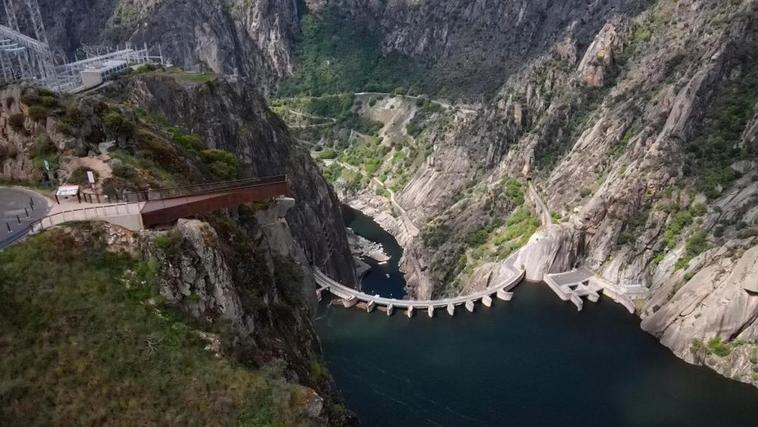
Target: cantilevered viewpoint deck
351	297
150	208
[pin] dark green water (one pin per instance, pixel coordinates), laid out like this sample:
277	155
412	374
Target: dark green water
533	361
383	279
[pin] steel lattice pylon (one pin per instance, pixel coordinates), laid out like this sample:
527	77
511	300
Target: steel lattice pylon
25	57
36	17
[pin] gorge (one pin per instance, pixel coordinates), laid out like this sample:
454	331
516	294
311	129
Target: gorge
465	137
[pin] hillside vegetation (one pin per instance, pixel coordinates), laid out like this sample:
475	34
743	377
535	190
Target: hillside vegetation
85	340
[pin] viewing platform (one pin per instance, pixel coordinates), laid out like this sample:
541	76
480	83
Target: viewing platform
144	209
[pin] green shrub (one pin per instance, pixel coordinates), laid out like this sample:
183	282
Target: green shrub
49	101
17	121
514	191
372	165
30	99
698	348
719	348
169	242
632	228
43	146
714	146
44	92
117	126
122	170
519	227
38	112
328	154
191	142
339	55
697	244
434	235
4	150
79	176
477	238
289	279
161	152
698	210
222	163
679	221
72	117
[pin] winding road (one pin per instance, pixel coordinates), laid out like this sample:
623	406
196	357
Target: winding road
20	208
541	207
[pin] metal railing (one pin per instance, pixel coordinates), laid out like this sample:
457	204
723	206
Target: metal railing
129	203
73	215
194	190
84	214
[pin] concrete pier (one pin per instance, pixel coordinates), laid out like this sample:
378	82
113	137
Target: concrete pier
451	309
593	296
470	306
390	309
504	295
487	301
582	282
430	311
577	301
370	306
350	301
409	312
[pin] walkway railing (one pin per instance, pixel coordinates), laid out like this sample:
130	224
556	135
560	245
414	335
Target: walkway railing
142	209
85	214
195	189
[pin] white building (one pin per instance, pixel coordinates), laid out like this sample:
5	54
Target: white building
96	74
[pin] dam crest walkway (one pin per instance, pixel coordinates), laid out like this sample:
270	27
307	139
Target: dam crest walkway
350	297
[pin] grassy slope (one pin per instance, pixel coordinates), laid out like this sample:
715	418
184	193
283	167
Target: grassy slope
80	345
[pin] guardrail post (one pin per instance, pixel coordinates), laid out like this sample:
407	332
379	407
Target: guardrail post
8	226
27	212
31	203
18	219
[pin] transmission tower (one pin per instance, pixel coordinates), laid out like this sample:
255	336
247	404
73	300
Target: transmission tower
36	17
10	13
22	57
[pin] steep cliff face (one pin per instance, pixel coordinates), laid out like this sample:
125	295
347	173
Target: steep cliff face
251	39
245	279
478	44
637	121
246	272
168	326
473	45
645	142
234	118
638	126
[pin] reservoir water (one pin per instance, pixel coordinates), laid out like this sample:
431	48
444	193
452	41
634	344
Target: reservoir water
532	361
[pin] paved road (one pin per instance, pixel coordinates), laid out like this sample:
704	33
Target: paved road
414	231
12	204
406	219
542	210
